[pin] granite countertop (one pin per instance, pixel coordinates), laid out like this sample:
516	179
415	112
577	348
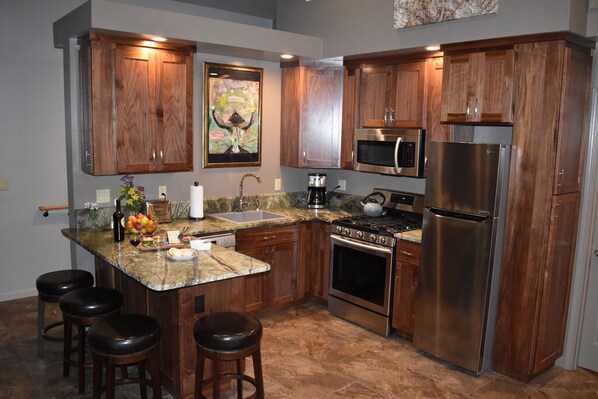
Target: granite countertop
162	273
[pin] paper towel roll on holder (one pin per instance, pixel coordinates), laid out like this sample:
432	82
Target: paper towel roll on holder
196	202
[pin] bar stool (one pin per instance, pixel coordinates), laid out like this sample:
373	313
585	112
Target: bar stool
227	336
82	308
122	340
50	288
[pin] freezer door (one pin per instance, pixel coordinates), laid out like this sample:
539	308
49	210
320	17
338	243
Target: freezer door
466	177
453	289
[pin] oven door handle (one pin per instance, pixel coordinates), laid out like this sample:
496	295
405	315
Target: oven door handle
397	146
366	247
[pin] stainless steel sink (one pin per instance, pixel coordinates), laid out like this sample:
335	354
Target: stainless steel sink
248	216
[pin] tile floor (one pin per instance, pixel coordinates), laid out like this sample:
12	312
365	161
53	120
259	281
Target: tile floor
307	354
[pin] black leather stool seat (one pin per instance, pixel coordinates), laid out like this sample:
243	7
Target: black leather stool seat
121	340
123	335
90	302
226	337
50	288
227	331
60	282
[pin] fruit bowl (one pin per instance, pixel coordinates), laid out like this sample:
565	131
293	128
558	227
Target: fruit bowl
141	224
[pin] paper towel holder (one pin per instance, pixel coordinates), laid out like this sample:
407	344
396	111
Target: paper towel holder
196	184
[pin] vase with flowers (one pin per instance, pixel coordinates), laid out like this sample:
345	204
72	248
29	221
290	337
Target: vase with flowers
134	196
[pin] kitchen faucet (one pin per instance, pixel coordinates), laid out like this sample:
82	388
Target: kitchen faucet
241	202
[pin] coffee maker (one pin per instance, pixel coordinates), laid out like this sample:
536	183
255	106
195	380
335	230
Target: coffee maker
316	191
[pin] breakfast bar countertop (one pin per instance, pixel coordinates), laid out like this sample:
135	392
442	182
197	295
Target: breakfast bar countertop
162	273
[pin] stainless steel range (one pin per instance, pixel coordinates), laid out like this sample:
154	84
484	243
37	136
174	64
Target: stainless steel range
362	260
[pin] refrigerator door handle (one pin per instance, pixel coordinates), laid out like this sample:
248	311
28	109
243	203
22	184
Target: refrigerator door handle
458	215
397	146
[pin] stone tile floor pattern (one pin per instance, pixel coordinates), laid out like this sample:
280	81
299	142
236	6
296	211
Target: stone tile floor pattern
307	353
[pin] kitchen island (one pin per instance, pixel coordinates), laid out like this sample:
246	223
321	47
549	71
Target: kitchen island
177	293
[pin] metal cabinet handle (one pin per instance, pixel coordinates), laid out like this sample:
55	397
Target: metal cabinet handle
304	158
406	253
268	238
467	111
153	156
475	108
561	175
87	158
161	158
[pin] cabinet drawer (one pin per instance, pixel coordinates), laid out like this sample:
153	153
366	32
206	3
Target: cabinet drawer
266	236
408	251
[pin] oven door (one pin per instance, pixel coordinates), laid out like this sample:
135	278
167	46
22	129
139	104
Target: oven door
361	273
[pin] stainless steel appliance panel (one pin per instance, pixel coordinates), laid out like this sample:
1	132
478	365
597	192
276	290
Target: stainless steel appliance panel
463	177
453	288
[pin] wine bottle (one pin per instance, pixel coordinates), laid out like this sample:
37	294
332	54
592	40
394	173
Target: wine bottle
118	222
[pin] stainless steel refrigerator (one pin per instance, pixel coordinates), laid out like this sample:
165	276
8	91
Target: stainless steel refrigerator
463	226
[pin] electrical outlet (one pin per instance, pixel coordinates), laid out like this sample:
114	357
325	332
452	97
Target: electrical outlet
162	192
343	185
200	303
3	185
103	196
277	184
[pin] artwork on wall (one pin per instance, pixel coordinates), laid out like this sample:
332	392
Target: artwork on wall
232	116
421	12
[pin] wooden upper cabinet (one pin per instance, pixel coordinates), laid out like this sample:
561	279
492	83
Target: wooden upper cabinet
136	108
570	158
478	87
311	98
392	96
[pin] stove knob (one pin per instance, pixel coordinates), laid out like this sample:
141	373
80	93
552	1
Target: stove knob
346	231
339	229
373	238
359	234
382	240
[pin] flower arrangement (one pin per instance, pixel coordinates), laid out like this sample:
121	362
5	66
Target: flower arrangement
134	196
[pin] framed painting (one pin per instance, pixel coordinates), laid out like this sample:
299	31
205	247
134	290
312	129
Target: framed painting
232	116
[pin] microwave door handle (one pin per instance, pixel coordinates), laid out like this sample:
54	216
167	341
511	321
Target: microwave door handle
397	145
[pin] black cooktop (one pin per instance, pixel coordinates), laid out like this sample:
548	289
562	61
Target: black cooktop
387	225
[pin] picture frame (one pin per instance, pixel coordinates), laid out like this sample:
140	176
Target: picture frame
232	111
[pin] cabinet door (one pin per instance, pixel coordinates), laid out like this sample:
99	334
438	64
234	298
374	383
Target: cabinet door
254	285
556	280
320	135
405	287
349	117
435	131
134	74
407	94
281	282
478	87
375	83
290	119
572	127
173	114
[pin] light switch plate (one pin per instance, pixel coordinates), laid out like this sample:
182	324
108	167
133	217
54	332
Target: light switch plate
342	185
3	185
103	196
277	184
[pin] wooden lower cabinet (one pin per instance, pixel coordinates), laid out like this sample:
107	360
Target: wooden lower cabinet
315	259
277	246
405	287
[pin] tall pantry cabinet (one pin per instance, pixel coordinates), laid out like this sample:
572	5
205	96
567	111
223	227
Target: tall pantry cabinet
551	82
135	107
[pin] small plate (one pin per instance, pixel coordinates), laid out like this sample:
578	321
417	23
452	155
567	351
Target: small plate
181	254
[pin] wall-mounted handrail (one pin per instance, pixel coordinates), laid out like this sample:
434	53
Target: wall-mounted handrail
46	209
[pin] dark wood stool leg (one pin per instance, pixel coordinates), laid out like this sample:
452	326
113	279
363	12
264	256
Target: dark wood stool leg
81	356
98	364
216	377
155	373
109	379
142	386
41	311
66	352
257	369
199	367
239	380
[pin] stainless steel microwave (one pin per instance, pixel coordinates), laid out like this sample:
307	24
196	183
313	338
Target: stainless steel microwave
387	151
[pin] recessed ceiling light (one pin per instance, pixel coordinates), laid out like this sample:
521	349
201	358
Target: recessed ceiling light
159	39
286	56
434	47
